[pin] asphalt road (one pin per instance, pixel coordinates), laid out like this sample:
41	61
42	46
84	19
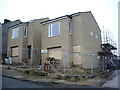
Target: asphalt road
14	83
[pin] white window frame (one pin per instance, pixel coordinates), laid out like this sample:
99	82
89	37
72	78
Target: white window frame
14	33
91	33
96	36
50	30
25	32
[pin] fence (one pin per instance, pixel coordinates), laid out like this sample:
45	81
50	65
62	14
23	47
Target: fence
78	64
65	62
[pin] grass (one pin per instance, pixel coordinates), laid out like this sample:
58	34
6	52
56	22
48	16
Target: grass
67	77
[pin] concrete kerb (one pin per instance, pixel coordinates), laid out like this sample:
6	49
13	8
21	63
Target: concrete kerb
50	84
36	82
41	82
15	77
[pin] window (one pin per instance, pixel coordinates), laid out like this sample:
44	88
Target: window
96	36
15	33
14	51
25	32
91	33
70	27
54	29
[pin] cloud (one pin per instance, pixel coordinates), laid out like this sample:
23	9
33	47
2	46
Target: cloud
104	11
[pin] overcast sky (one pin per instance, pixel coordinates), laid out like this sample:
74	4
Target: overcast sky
104	11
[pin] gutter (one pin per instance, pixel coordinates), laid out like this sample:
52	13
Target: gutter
63	17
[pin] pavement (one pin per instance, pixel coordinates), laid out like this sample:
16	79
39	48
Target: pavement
97	82
113	82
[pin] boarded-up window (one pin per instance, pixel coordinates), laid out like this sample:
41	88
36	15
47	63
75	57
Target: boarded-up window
56	53
76	55
15	51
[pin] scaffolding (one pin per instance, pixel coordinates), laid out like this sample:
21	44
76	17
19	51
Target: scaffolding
109	51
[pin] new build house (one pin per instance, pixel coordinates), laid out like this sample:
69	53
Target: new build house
4	36
23	39
74	39
64	37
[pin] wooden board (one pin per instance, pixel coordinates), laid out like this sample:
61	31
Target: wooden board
56	53
76	55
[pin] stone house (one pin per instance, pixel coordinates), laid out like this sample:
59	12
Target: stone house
75	38
24	42
4	35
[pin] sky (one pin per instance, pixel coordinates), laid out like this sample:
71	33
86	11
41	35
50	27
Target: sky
104	11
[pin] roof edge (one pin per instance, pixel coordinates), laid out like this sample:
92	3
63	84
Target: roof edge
38	19
16	25
27	22
63	17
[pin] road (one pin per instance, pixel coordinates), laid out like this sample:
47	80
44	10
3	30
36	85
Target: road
114	82
14	83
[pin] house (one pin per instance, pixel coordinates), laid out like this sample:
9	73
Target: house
4	35
74	39
24	41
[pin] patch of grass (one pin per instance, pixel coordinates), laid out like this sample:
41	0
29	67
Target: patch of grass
74	72
67	77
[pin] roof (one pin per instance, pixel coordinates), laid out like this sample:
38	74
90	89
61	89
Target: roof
37	19
63	17
21	23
